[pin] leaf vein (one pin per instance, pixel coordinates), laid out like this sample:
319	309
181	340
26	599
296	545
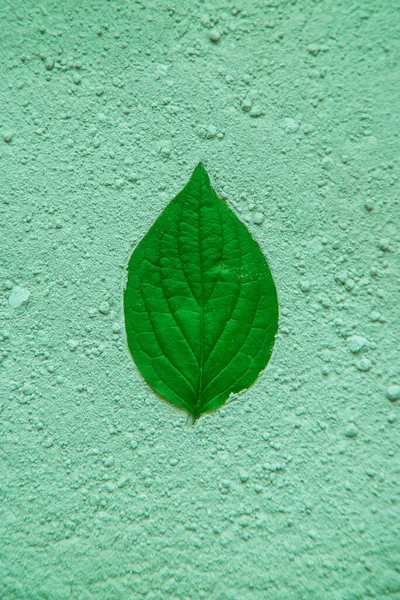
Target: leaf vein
159	344
170	307
241	346
232	309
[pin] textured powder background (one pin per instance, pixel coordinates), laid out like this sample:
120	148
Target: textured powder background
289	491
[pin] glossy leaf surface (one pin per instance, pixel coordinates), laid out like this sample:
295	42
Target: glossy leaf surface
201	309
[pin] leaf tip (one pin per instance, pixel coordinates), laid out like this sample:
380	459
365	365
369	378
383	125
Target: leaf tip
200	171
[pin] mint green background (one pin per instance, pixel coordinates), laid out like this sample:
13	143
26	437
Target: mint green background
289	491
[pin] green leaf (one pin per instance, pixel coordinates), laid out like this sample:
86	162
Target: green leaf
201	310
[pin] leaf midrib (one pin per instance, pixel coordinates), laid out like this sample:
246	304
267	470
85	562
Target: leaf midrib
201	366
197	408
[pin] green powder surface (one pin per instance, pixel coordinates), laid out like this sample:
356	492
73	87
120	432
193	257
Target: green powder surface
289	491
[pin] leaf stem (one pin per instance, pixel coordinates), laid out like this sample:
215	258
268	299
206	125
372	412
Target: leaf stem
190	421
